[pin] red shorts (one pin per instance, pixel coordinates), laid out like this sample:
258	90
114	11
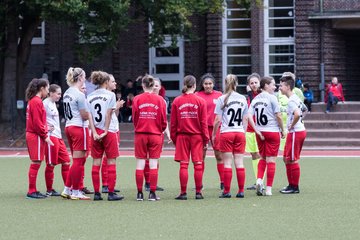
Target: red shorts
148	146
233	142
36	146
216	144
269	147
189	144
56	154
293	145
109	144
78	138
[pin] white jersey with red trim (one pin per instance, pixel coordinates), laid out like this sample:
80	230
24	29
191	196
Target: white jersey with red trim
295	104
233	113
265	106
74	101
52	118
100	101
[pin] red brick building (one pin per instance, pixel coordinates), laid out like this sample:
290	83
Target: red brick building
316	39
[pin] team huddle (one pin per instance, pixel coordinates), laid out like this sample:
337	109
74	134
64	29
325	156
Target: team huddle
231	122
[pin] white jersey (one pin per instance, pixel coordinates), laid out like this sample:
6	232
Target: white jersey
233	113
114	123
295	104
74	101
265	106
52	118
100	101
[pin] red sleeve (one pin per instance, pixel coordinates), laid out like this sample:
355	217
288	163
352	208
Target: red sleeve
203	123
163	116
173	122
38	115
341	92
134	111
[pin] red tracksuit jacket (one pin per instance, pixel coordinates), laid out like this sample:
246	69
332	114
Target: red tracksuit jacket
36	117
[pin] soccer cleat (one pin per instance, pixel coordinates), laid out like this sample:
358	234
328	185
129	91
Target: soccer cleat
79	196
35	195
221	186
53	193
66	194
86	191
105	189
153	197
268	193
114	197
199	196
147	187
288	187
182	196
296	189
259	187
159	189
97	196
290	190
252	187
240	195
225	195
140	196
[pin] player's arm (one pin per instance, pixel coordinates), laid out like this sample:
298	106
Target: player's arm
217	122
279	120
173	123
297	115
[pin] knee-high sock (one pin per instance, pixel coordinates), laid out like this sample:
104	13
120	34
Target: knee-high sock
261	168
82	167
112	176
295	174
139	176
240	174
147	171
49	177
183	176
198	175
68	182
64	172
227	179
220	168
255	166
203	167
32	174
271	167
288	173
77	173
95	177
104	172
153	179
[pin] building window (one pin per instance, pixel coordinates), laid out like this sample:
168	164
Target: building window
279	43
39	36
236	42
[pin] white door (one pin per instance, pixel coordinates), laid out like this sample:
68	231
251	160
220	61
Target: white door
167	64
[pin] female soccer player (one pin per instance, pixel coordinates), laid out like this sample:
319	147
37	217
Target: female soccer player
251	146
36	131
210	96
149	118
295	137
76	113
267	113
156	90
56	154
102	104
230	110
189	133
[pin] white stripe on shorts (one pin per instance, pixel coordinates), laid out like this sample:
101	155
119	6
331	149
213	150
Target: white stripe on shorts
84	130
292	146
39	142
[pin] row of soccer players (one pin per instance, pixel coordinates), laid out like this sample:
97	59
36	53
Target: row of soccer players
192	119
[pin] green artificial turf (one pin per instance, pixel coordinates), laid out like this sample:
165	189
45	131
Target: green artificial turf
328	206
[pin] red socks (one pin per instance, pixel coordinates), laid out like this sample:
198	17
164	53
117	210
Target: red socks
227	179
183	175
147	171
198	175
104	171
295	174
220	168
95	177
153	179
261	168
139	177
32	174
77	173
240	174
49	177
112	177
65	172
271	167
288	173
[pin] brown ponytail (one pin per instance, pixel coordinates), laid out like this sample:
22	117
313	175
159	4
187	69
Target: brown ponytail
98	78
231	82
34	87
148	81
189	82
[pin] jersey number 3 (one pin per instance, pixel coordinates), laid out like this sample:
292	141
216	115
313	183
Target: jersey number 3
98	111
235	117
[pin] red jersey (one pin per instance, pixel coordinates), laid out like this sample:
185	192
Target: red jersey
149	113
251	96
336	90
210	99
189	116
36	117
